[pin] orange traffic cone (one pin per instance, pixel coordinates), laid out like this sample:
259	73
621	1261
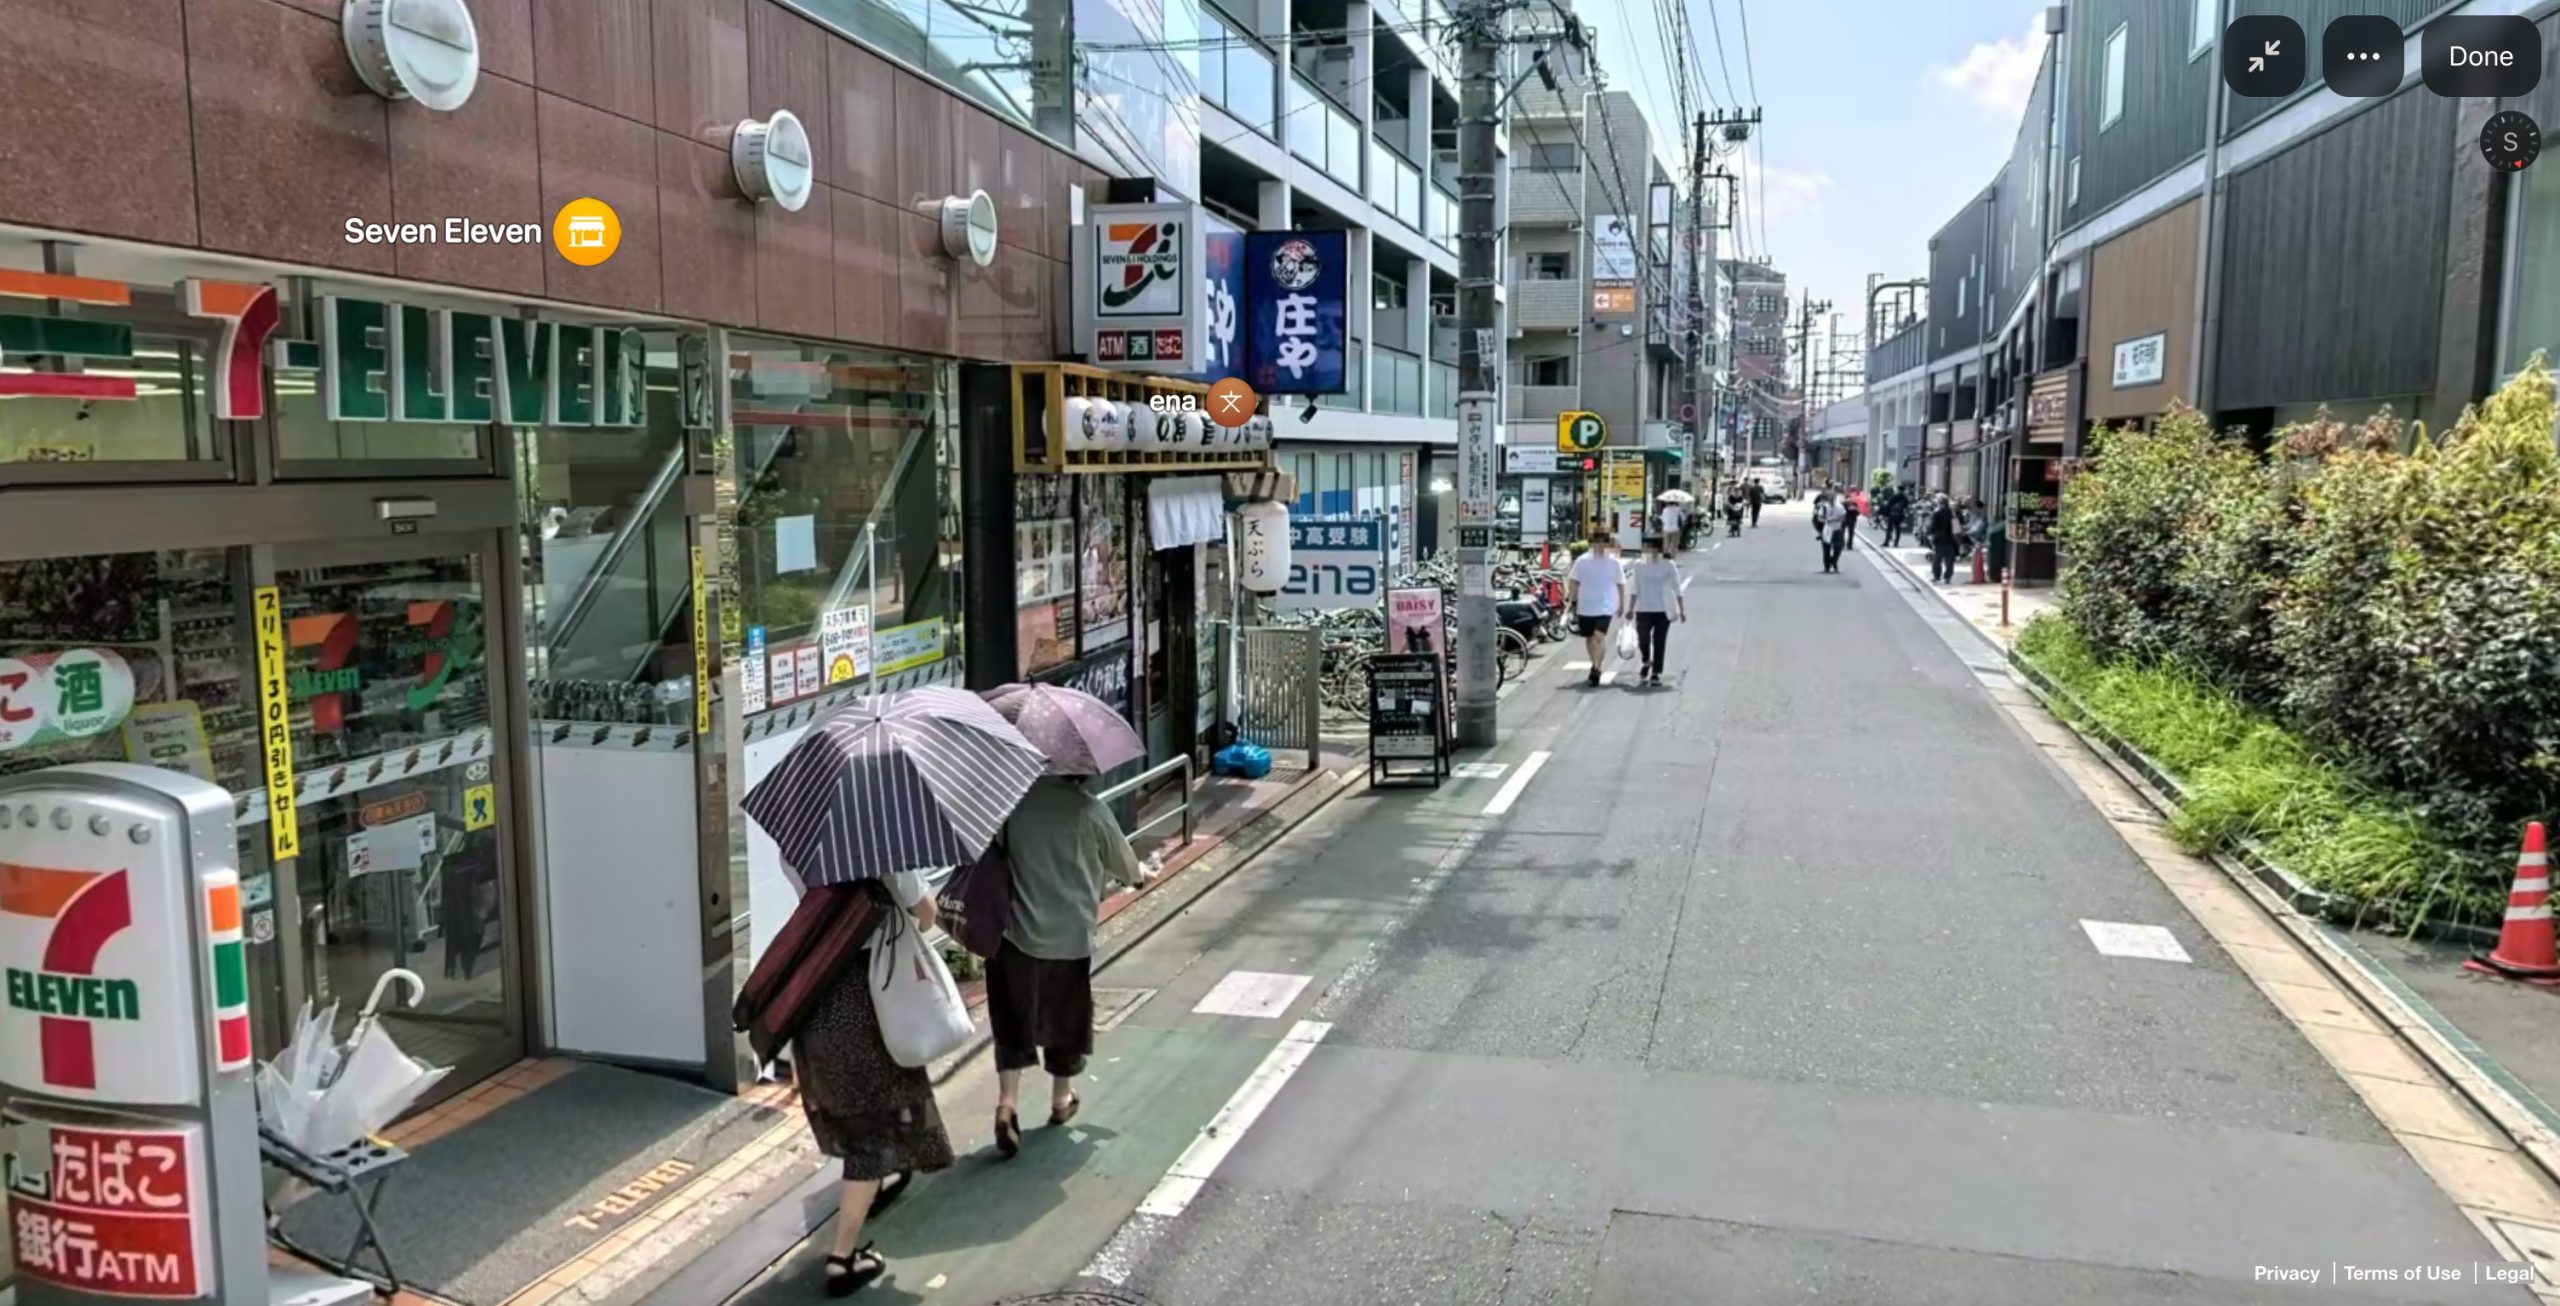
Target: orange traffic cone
2524	948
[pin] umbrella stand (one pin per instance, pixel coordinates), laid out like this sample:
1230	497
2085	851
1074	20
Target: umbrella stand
357	1172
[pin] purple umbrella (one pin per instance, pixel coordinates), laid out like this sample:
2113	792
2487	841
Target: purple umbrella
895	783
1080	734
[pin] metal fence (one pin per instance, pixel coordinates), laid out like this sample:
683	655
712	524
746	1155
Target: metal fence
1282	705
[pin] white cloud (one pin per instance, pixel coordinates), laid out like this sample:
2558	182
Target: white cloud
1999	75
1781	191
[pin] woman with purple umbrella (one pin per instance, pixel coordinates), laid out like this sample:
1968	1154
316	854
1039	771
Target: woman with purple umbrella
872	794
1066	853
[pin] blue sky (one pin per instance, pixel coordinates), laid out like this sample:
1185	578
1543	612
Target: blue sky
1882	117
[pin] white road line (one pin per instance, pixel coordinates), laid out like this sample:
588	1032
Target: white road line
1259	994
1479	770
2149	942
1190	1173
1511	789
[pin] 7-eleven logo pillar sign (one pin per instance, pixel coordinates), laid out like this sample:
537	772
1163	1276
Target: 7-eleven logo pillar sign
65	992
97	977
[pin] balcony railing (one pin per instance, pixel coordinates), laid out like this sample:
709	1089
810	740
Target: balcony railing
1444	216
1399	383
1349	399
1444	390
1395	186
1321	133
1237	75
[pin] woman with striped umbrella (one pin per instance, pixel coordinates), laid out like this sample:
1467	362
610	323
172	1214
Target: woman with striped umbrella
873	794
1064	852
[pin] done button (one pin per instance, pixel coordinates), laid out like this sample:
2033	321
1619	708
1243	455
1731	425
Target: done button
2471	54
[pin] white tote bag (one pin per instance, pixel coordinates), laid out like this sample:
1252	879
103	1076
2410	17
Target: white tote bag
921	1014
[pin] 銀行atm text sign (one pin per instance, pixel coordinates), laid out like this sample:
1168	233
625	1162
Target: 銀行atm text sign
377	360
120	1212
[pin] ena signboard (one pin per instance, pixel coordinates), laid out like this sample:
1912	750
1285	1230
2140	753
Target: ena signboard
1336	564
1140	302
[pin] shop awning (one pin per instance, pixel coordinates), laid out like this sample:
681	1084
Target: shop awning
1185	510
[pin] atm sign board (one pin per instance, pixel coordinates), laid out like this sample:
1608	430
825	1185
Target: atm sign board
119	1212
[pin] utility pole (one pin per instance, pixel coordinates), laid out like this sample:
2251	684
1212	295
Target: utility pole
1479	31
1804	373
1701	420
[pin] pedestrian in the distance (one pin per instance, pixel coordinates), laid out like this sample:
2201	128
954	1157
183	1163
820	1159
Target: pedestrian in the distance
1733	510
1658	597
1067	853
1824	514
1897	515
1940	535
1596	587
1753	493
1853	505
1977	527
876	1117
1672	516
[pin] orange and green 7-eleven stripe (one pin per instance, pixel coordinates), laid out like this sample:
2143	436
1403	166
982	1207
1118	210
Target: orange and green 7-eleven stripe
230	970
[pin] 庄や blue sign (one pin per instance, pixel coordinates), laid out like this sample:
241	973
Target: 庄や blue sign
1336	564
1223	352
1295	285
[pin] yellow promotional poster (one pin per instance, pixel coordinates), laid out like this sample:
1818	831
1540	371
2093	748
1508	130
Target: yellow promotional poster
1626	479
275	725
701	653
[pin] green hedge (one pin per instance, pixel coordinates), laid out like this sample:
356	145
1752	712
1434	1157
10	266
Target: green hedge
2378	607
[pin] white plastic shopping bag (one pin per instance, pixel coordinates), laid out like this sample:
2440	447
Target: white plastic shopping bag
1626	639
921	1014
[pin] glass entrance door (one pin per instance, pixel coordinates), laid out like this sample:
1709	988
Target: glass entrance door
396	680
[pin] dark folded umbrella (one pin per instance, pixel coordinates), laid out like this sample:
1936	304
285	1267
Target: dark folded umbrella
1080	734
896	783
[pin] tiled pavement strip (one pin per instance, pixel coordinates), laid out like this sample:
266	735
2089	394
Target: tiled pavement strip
784	1152
2495	1157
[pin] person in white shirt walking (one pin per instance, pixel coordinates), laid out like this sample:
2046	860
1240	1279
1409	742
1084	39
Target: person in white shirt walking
1658	597
1597	590
1673	517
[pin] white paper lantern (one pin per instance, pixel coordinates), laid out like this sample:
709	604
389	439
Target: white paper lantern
1110	426
1079	423
1262	547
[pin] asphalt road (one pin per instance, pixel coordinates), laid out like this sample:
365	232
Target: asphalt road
1767	986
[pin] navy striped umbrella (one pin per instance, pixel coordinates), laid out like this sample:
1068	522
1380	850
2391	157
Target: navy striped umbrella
895	783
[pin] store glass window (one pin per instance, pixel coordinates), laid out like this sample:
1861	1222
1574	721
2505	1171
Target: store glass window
2535	323
845	467
982	50
140	657
120	380
607	562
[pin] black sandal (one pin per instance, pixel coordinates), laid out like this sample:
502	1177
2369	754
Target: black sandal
847	1275
1008	1132
890	1190
1059	1115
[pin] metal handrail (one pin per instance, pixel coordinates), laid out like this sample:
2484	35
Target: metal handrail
1141	780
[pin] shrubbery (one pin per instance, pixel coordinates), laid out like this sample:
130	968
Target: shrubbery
2384	624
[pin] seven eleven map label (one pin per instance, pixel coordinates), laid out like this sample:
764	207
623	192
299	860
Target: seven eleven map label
114	1211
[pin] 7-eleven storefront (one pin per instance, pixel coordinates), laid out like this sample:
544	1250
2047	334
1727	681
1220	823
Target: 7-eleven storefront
404	569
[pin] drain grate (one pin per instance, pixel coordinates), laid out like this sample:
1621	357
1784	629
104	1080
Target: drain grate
1080	1297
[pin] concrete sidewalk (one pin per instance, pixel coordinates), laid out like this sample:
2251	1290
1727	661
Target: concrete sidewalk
2492	1036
